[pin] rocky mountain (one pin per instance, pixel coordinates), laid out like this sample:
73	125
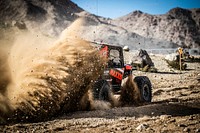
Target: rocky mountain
106	30
48	16
178	27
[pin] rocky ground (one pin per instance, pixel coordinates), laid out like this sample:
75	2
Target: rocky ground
175	108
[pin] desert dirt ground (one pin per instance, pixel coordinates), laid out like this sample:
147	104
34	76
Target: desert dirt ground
175	107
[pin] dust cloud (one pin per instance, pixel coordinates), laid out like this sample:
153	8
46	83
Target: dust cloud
42	77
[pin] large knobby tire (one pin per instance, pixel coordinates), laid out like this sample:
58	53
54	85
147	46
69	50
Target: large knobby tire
145	88
101	90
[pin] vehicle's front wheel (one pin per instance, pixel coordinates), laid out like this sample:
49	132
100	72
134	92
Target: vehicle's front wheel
101	90
145	88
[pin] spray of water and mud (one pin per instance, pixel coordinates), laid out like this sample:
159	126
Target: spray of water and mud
42	76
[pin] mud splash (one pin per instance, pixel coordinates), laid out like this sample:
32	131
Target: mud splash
45	76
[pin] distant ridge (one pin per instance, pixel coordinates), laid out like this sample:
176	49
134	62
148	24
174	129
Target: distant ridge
178	27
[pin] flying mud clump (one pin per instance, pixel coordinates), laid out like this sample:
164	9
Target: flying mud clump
43	79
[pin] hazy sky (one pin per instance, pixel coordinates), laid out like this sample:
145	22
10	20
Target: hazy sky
117	8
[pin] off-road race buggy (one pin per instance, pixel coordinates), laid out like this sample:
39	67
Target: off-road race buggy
115	72
143	62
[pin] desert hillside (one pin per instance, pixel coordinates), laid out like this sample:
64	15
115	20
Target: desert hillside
48	16
178	27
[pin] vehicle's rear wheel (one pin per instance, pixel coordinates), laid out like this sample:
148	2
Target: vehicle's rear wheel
145	88
101	90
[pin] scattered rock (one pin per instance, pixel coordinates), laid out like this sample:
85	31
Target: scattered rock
198	130
142	127
172	120
164	117
164	131
191	117
186	129
182	125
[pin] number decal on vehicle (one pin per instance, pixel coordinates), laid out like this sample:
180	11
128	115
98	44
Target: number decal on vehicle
116	74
